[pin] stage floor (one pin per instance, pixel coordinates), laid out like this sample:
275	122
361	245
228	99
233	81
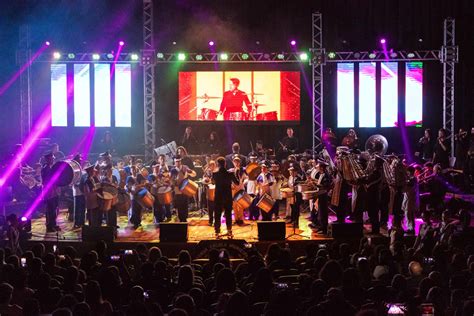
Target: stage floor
198	229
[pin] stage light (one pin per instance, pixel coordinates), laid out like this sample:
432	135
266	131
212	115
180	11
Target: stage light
110	56
160	55
181	56
23	219
281	56
304	56
56	55
134	56
332	55
372	55
199	57
257	42
420	40
293	43
121	43
174	43
410	55
47	43
245	56
211	43
266	56
95	56
393	55
356	55
223	56
71	55
383	41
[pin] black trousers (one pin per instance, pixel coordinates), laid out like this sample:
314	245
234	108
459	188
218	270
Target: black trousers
323	201
295	208
79	210
373	209
136	215
111	217
220	206
397	207
161	211
51	212
211	207
95	217
383	204
181	202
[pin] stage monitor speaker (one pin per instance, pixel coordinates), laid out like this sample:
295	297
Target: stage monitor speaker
104	233
173	232
271	230
345	230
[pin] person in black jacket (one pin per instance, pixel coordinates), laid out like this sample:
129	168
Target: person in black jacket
223	197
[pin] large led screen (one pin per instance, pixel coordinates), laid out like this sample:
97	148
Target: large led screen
239	96
414	93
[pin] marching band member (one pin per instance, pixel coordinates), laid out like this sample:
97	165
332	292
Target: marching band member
160	178
50	194
411	201
252	191
223	198
264	181
89	184
275	188
294	202
134	183
209	170
372	183
323	181
179	173
79	199
240	175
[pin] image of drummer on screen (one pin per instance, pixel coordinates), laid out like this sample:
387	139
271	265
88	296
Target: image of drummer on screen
235	103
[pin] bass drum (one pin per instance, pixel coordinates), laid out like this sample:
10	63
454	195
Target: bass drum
188	187
266	203
243	199
253	170
69	171
123	202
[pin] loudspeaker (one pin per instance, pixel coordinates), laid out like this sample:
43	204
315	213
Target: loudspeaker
271	230
345	230
173	232
104	233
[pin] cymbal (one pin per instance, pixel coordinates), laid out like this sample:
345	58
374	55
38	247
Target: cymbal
206	97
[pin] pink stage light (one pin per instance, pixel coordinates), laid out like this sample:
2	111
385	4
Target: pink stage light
293	43
211	43
24	218
47	43
383	41
121	43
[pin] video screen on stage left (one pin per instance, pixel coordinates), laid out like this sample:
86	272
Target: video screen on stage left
239	96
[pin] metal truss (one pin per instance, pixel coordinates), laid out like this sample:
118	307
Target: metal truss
204	58
149	102
402	55
449	58
317	63
23	57
89	57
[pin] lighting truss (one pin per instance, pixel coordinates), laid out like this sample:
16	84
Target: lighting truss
317	62
402	55
244	57
88	57
23	56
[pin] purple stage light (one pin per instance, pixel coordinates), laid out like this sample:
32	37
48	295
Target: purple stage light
23	218
121	43
383	41
292	42
211	43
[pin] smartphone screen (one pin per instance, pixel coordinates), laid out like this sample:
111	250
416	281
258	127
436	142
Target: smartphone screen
396	309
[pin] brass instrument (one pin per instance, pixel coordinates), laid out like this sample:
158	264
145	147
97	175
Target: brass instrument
394	172
376	144
352	171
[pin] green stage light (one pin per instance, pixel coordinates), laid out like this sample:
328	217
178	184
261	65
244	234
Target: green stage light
198	57
71	55
181	56
224	56
281	56
245	56
332	55
304	56
95	56
134	56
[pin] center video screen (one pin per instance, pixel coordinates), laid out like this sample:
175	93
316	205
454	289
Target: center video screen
239	96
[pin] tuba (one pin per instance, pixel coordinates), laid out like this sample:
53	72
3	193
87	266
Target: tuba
376	144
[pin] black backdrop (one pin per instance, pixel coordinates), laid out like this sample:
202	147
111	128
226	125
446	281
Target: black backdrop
245	25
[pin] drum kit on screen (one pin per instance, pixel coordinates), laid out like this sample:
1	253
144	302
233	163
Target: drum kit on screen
208	114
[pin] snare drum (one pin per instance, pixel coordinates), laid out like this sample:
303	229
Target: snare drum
309	195
243	199
123	202
188	187
105	200
165	195
287	193
266	203
211	192
302	187
145	198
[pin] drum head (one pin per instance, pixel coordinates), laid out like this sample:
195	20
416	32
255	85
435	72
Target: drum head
142	192
183	184
162	190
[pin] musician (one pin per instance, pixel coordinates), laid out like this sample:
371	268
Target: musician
189	141
330	141
235	151
289	144
294	202
240	175
235	102
134	184
159	178
79	199
109	178
180	172
251	186
50	194
88	186
207	179
107	143
396	190
351	140
275	187
212	144
426	145
372	184
411	201
223	198
58	154
442	149
461	149
323	180
264	181
185	160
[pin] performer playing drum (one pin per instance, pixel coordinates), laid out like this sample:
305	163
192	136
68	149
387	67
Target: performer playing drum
295	202
240	175
276	187
89	184
179	173
134	183
322	180
207	179
161	186
264	181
